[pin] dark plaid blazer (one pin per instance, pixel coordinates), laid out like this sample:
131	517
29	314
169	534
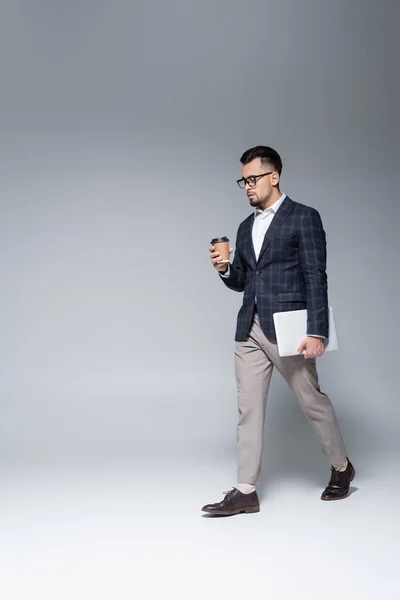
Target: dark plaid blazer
290	273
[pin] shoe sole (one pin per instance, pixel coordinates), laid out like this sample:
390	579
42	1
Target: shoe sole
340	497
225	513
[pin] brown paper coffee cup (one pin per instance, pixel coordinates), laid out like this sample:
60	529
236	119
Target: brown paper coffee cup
221	245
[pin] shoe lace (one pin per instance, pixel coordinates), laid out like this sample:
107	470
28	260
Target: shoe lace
334	476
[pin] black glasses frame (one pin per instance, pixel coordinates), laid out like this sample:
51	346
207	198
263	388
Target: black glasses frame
252	180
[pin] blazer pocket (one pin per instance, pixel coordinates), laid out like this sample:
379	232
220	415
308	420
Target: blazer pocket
290	240
291	297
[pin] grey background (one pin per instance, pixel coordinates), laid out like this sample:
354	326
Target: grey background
122	125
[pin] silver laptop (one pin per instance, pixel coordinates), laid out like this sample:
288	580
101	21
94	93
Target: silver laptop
291	329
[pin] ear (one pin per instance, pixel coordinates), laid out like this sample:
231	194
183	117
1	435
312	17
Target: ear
275	178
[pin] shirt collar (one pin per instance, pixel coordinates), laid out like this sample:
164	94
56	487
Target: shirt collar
271	209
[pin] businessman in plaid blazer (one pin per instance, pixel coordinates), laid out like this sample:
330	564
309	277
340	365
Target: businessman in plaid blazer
279	265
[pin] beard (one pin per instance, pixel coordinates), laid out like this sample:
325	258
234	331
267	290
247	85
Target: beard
254	200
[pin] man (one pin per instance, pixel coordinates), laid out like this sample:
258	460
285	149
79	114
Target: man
280	265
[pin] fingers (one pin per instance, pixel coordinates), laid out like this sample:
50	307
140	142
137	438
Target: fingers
314	352
216	259
310	353
215	256
313	348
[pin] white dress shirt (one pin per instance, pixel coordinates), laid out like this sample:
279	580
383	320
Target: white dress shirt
262	220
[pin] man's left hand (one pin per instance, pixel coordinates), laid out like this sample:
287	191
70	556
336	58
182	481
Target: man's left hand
314	347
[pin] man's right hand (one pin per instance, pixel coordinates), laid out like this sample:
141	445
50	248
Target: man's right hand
216	257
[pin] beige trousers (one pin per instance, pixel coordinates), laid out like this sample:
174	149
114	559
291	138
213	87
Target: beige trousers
254	362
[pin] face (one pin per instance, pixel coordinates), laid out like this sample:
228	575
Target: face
266	187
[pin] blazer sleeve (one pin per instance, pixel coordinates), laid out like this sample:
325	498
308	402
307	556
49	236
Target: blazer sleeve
312	256
237	271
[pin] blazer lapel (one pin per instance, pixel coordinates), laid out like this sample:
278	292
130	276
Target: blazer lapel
248	234
285	208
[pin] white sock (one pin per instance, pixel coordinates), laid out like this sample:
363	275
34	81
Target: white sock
341	467
245	488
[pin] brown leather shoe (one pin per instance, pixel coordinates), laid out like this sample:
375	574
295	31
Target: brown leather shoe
234	503
339	484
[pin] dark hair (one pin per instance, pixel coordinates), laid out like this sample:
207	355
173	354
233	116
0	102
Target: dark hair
268	155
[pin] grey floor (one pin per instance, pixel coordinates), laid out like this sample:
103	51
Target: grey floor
121	532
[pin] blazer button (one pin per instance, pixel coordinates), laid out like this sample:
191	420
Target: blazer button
257	272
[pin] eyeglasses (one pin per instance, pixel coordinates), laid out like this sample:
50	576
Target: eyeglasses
252	180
